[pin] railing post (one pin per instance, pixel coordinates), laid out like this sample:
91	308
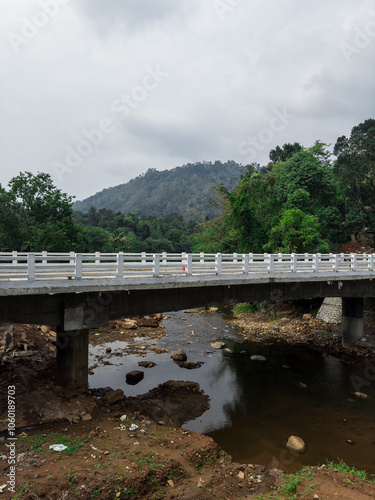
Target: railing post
189	265
245	266
78	269
270	263
294	263
235	257
371	262
201	257
31	266
143	258
316	262
72	258
164	257
44	255
156	258
218	264
14	261
120	265
97	257
354	262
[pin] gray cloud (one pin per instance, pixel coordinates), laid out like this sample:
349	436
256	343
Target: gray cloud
221	78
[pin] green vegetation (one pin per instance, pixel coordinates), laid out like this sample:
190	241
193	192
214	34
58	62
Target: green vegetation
302	201
288	489
36	442
245	308
343	467
184	190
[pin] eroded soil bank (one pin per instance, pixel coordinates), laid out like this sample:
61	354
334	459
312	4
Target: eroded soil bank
134	447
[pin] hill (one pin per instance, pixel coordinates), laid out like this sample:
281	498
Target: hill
185	190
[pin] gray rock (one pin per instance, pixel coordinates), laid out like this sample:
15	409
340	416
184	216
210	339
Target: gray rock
258	357
179	355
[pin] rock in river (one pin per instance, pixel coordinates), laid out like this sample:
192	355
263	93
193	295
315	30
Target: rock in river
217	345
134	377
179	355
258	357
296	443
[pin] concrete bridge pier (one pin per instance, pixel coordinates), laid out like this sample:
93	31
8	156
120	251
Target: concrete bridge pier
72	358
352	320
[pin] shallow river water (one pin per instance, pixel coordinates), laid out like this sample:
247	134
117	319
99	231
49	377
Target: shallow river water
256	406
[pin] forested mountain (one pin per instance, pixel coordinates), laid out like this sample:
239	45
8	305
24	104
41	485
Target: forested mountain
184	190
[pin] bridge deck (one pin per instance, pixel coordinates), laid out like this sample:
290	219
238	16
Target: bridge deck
44	272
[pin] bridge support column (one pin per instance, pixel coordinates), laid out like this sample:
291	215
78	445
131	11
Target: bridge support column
72	358
352	320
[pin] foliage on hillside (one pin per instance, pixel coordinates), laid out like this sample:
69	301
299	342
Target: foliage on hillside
184	190
107	231
301	202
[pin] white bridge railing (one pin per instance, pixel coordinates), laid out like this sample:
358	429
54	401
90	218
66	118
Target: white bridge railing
78	266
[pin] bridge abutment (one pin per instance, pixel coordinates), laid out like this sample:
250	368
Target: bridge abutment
72	358
352	320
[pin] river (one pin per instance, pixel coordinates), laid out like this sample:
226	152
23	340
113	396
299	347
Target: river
256	406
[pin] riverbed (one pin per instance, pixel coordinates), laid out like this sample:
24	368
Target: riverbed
255	406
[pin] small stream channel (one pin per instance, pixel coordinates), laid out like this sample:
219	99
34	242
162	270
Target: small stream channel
256	406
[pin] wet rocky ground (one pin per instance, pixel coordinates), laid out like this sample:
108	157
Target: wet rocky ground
134	447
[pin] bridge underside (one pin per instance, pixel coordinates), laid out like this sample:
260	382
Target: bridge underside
74	313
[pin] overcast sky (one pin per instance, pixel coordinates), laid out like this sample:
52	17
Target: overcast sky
96	92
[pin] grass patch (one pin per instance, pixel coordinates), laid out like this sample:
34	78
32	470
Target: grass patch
245	307
343	467
25	488
36	442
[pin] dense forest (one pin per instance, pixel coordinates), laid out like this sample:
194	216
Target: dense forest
305	200
302	201
184	190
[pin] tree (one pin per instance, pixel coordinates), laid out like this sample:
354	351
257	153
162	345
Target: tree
283	154
296	232
41	215
355	164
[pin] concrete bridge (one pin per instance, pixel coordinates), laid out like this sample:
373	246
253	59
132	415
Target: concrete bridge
76	291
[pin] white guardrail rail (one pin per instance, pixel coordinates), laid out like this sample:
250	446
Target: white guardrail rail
78	266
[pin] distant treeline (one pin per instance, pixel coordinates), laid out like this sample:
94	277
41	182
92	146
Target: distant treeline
108	231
